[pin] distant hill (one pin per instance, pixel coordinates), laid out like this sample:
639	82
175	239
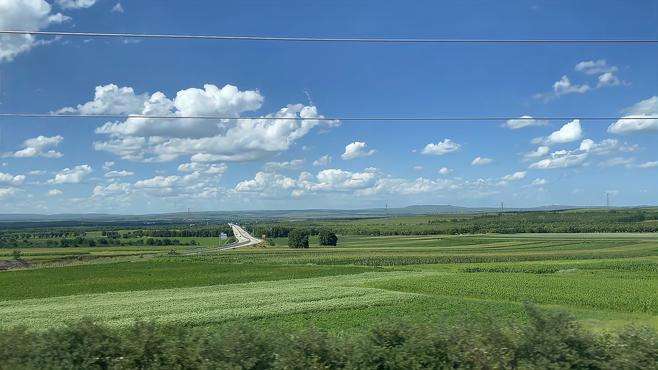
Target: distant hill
266	214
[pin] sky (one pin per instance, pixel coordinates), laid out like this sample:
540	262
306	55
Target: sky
76	165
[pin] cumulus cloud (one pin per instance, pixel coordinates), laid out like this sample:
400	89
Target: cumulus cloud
539	182
564	86
652	164
570	132
445	171
71	175
121	173
8	192
13	180
206	168
39	146
481	161
294	164
113	189
595	67
520	175
606	146
608	79
637	119
29	15
442	147
323	161
561	159
617	161
76	4
54	193
524	121
357	149
117	8
537	153
204	140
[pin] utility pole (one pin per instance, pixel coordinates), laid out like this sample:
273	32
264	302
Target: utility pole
607	200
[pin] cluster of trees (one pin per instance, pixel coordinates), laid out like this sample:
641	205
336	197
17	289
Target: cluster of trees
574	221
547	341
91	242
179	233
298	238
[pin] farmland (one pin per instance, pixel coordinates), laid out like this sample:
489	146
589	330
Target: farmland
363	280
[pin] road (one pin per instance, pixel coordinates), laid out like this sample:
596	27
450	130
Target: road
244	238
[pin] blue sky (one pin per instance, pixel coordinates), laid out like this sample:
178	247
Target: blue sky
132	166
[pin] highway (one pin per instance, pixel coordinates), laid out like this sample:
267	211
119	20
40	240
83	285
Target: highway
244	238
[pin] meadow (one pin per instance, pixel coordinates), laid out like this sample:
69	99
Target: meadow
607	281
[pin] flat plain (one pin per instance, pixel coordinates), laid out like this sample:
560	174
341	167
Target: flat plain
605	280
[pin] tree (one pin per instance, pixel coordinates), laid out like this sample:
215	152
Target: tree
327	237
17	254
298	239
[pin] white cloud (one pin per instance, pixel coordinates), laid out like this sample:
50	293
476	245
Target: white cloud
561	159
481	161
13	180
115	174
113	189
608	79
418	168
605	146
537	153
29	15
111	99
210	169
357	149
108	165
595	67
323	161
645	109
520	175
570	132
294	164
564	86
617	161
71	175
444	171
117	8
539	182
76	4
8	192
524	121
39	146
442	147
204	140
54	193
653	164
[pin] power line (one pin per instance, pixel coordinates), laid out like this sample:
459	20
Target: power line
364	40
335	118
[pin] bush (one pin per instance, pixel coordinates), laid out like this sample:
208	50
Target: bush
550	340
327	237
298	239
17	254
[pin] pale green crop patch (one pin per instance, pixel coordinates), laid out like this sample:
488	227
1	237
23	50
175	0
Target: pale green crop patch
200	305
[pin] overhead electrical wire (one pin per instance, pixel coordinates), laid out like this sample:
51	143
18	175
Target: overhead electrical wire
314	39
335	118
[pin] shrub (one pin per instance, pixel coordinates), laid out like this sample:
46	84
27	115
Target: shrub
17	254
298	239
327	237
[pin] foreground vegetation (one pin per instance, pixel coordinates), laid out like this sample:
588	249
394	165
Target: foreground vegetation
548	340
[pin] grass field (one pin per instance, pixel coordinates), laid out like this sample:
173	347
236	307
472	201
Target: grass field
606	280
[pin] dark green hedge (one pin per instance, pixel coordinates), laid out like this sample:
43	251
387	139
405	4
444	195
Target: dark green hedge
549	340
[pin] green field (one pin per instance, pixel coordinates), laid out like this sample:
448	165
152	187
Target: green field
605	280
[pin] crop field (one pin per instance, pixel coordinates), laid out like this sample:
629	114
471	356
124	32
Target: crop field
605	280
